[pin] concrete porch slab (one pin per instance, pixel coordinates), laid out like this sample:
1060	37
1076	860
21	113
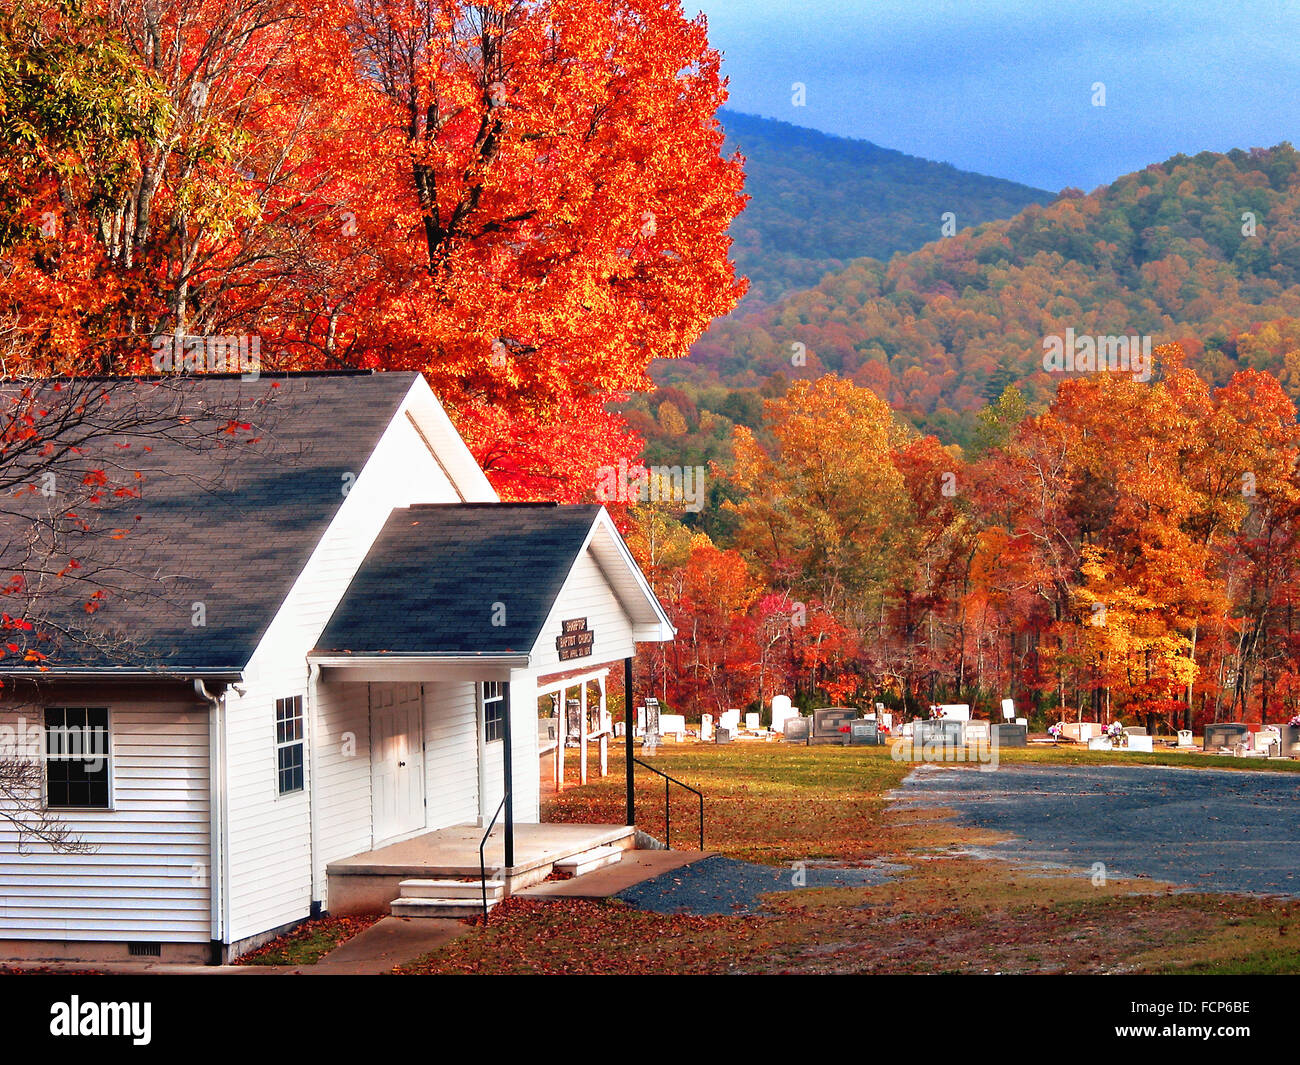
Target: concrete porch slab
368	882
636	867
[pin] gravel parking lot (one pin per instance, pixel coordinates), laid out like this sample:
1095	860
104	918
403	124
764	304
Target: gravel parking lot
1215	830
718	885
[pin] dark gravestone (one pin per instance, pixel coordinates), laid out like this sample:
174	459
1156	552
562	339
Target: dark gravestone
1291	741
1224	734
722	735
941	730
797	729
864	734
1010	735
828	723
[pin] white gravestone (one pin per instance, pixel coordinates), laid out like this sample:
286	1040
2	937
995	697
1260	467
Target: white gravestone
782	711
706	728
751	722
1008	709
730	719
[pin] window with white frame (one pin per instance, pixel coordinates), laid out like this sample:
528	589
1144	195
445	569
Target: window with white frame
290	747
496	698
76	757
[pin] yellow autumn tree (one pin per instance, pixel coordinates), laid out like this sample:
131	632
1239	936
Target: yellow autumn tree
821	496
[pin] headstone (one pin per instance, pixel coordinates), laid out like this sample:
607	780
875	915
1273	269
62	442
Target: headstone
673	725
782	711
1291	741
652	717
1005	735
730	720
1185	739
941	730
956	711
1100	743
706	728
1008	709
798	729
886	718
828	723
977	732
1224	734
1088	729
864	734
1024	721
722	735
1143	743
1135	730
751	722
1268	739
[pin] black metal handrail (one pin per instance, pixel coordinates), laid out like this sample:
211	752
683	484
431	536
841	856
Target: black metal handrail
482	863
668	825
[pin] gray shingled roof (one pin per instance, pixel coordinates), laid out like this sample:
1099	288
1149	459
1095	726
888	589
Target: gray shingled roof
433	580
227	520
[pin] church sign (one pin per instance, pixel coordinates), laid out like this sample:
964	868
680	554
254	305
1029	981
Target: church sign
575	639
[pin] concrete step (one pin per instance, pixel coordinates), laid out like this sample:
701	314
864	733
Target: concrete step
596	858
451	889
439	907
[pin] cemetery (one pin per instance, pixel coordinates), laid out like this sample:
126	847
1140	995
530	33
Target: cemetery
951	724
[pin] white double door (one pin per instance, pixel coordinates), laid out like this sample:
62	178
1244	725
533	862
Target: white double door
396	759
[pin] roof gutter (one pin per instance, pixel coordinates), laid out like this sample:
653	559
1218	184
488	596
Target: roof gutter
448	659
199	675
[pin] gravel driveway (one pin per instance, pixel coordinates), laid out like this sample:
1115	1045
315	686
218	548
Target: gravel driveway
1220	830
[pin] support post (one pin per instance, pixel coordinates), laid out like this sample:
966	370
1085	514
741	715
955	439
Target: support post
582	732
629	727
558	698
509	775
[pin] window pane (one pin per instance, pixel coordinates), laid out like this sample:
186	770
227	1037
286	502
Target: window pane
76	756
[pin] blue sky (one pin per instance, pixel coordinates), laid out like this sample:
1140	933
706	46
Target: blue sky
1005	88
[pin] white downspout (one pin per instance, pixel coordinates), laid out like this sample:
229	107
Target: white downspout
313	679
219	919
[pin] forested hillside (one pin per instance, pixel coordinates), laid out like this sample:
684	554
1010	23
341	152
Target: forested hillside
818	202
1204	250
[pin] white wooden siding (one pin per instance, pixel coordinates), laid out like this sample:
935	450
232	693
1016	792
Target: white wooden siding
586	594
343	802
450	754
148	877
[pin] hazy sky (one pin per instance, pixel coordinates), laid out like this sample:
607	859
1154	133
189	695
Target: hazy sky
1005	87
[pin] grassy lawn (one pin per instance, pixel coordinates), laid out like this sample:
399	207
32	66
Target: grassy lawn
947	913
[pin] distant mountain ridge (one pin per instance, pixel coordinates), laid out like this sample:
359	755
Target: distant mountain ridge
1203	249
820	201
